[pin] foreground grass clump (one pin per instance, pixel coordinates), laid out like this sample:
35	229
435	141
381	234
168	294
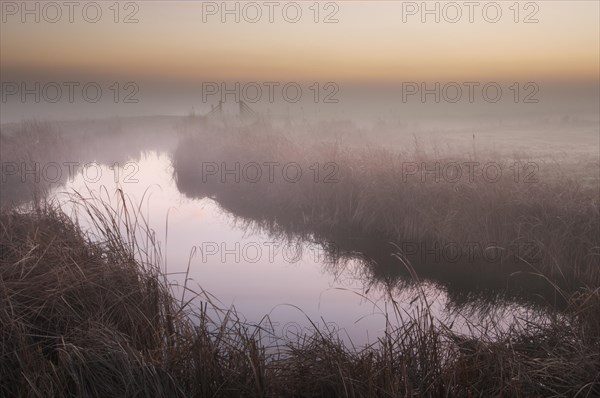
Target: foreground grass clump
90	314
77	318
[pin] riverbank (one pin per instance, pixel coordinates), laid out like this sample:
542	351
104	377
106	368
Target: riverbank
86	314
478	220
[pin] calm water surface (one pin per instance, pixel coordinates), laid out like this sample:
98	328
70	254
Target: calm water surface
253	270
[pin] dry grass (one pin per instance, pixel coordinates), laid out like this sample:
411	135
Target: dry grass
557	216
90	314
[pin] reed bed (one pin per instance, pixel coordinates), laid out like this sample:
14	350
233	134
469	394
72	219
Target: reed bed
542	226
90	313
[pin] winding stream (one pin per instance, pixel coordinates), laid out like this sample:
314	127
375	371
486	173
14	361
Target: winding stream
259	272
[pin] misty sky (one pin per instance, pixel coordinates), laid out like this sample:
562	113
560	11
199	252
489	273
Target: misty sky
369	43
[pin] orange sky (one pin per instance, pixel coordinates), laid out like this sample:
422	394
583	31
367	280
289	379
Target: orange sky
369	43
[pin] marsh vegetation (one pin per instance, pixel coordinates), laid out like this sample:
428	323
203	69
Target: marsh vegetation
87	309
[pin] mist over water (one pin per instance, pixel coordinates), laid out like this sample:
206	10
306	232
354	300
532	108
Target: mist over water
408	197
260	260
